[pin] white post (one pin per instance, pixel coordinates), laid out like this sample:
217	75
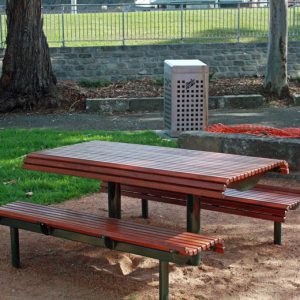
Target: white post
74	6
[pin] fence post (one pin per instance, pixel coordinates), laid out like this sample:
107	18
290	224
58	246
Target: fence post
123	25
74	7
63	26
238	23
181	23
1	33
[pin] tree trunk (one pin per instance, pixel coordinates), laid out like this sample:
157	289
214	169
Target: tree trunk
276	72
27	80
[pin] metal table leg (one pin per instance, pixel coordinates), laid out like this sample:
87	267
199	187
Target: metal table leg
193	214
277	233
163	280
15	249
114	200
193	219
145	211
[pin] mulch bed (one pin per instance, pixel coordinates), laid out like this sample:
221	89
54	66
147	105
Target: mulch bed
74	95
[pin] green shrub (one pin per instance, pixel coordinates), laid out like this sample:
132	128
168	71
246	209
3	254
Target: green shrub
159	82
93	83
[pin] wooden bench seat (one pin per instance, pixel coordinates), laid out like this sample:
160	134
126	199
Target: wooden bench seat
262	202
164	244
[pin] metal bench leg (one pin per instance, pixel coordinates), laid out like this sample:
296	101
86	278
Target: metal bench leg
277	233
193	214
193	220
114	200
163	280
15	249
145	210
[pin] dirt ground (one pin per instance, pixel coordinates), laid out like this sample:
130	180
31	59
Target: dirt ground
251	268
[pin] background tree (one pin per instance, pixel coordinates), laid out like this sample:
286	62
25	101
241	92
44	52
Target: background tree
276	72
27	78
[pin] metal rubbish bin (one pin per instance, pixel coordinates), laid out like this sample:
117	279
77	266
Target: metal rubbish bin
186	96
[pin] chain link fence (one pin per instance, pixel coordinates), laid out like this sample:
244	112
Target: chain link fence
158	23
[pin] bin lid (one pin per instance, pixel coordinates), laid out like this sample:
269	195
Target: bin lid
185	66
184	62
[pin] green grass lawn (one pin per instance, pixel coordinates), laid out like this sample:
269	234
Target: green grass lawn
47	188
162	26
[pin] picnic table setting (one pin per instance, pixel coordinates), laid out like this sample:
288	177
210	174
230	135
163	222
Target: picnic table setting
195	180
181	185
150	150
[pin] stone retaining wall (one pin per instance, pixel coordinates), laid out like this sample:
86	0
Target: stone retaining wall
133	62
119	105
278	148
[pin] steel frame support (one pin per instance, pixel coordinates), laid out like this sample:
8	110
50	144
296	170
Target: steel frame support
15	247
145	209
114	200
277	233
193	214
193	220
163	280
92	240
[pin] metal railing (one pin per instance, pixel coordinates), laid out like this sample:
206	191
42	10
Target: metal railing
115	24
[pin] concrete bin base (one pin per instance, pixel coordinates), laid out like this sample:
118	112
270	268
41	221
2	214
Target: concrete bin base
279	148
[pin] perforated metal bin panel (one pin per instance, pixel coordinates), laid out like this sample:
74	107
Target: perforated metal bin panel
186	96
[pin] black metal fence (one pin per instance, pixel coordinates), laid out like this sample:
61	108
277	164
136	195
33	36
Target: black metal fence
159	22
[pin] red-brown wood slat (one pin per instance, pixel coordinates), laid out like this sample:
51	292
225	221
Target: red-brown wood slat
258	202
128	232
119	234
93	220
238	209
208	167
265	197
233	165
261	196
128	181
242	211
279	190
128	174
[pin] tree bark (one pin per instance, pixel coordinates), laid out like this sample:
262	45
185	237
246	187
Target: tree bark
276	72
27	80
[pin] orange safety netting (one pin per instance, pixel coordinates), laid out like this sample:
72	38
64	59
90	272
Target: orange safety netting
255	130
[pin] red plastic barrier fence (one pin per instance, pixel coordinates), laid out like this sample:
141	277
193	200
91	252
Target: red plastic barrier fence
255	130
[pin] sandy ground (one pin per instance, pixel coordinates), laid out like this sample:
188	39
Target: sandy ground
251	268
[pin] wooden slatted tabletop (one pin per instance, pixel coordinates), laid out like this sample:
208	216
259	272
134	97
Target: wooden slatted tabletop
187	171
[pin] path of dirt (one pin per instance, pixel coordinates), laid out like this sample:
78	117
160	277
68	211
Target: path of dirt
251	268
